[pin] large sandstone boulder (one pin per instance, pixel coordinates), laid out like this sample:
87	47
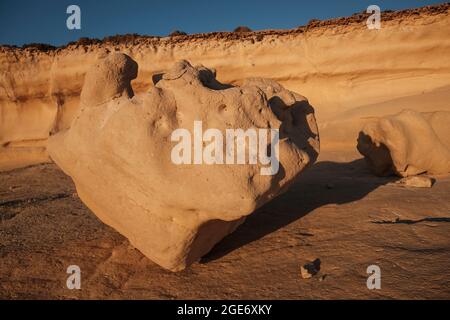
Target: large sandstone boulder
120	151
407	144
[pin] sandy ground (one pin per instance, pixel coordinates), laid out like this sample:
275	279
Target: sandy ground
337	212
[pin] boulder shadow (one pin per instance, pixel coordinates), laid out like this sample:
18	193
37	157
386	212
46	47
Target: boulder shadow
323	183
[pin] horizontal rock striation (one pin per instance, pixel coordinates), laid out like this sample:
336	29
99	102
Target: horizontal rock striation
348	73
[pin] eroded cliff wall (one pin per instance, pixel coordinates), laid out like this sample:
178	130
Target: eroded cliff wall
348	72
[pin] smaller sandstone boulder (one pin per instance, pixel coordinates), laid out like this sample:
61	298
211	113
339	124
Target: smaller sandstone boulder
405	144
416	182
310	269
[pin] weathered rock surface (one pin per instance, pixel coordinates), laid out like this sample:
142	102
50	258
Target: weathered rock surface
416	182
408	143
118	152
347	71
310	269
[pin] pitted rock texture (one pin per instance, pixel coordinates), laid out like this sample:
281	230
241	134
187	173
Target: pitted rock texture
118	153
406	144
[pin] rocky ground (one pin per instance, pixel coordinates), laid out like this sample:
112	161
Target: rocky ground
337	212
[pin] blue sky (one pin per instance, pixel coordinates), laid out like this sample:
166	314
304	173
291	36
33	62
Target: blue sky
44	21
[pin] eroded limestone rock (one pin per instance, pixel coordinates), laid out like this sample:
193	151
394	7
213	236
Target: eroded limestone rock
119	147
408	143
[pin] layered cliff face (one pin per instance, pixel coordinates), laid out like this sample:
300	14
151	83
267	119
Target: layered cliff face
348	73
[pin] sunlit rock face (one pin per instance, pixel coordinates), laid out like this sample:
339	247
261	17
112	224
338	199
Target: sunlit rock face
407	144
162	168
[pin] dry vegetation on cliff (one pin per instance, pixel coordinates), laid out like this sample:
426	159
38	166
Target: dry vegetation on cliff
245	33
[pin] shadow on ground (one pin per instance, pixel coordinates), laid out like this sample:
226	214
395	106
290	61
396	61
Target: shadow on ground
324	183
